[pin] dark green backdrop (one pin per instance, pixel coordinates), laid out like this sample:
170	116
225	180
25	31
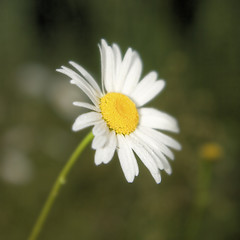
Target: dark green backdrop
194	46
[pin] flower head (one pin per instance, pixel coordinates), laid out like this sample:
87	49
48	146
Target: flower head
120	121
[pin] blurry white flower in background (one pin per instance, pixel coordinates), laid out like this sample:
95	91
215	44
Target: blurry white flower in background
13	138
36	80
32	79
57	93
15	167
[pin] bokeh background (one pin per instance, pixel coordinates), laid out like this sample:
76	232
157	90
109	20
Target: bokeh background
194	46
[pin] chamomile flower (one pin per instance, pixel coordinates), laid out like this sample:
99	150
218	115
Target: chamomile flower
120	122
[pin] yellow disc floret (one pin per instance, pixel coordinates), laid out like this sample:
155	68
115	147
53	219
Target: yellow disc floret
119	112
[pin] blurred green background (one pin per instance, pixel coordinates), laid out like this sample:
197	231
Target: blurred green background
194	46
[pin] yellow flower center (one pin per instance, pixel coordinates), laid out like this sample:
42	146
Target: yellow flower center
119	112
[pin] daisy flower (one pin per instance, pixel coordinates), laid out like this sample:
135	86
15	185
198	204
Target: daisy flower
120	122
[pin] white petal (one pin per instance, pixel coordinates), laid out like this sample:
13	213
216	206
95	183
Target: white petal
163	138
72	74
153	150
144	84
99	141
87	76
147	81
88	92
123	70
146	158
107	60
150	92
126	159
154	143
112	139
86	105
100	128
103	57
109	70
86	120
82	84
117	60
111	146
130	154
144	144
133	75
105	154
153	118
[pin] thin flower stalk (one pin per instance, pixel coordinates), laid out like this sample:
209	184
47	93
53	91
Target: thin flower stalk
60	181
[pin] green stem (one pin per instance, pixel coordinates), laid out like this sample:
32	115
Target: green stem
201	201
61	179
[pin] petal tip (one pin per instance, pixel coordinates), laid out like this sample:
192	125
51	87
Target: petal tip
130	180
74	129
